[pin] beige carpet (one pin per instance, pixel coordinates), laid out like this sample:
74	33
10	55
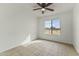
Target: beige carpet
41	48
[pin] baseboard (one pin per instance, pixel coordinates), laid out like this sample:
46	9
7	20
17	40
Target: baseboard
19	44
55	41
77	50
10	48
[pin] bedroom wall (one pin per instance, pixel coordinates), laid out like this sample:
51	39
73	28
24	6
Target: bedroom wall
17	25
66	27
76	27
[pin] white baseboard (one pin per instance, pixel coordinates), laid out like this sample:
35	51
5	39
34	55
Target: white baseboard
19	44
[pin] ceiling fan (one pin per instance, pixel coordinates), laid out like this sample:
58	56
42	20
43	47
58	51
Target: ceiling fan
43	7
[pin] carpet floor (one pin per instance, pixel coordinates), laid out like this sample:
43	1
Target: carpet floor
41	48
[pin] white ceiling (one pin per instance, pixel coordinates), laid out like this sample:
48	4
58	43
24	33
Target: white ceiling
58	7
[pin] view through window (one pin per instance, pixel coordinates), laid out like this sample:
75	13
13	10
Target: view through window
52	27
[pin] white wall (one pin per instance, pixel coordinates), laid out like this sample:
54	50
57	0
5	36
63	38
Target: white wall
66	27
17	25
76	27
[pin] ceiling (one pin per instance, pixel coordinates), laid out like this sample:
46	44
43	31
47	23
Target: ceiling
58	7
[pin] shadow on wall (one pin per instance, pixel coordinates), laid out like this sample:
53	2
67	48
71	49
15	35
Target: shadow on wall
27	39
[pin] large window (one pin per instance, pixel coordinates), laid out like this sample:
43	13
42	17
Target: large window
52	27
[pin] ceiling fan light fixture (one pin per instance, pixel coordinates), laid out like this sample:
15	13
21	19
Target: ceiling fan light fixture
43	9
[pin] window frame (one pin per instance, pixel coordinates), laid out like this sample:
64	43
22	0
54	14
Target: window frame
51	29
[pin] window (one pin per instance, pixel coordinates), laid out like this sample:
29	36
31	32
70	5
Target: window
48	27
52	27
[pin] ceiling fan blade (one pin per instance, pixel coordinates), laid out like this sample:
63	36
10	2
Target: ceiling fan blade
42	12
43	5
39	4
49	9
37	8
48	4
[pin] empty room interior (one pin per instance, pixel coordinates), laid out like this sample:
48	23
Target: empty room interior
39	29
